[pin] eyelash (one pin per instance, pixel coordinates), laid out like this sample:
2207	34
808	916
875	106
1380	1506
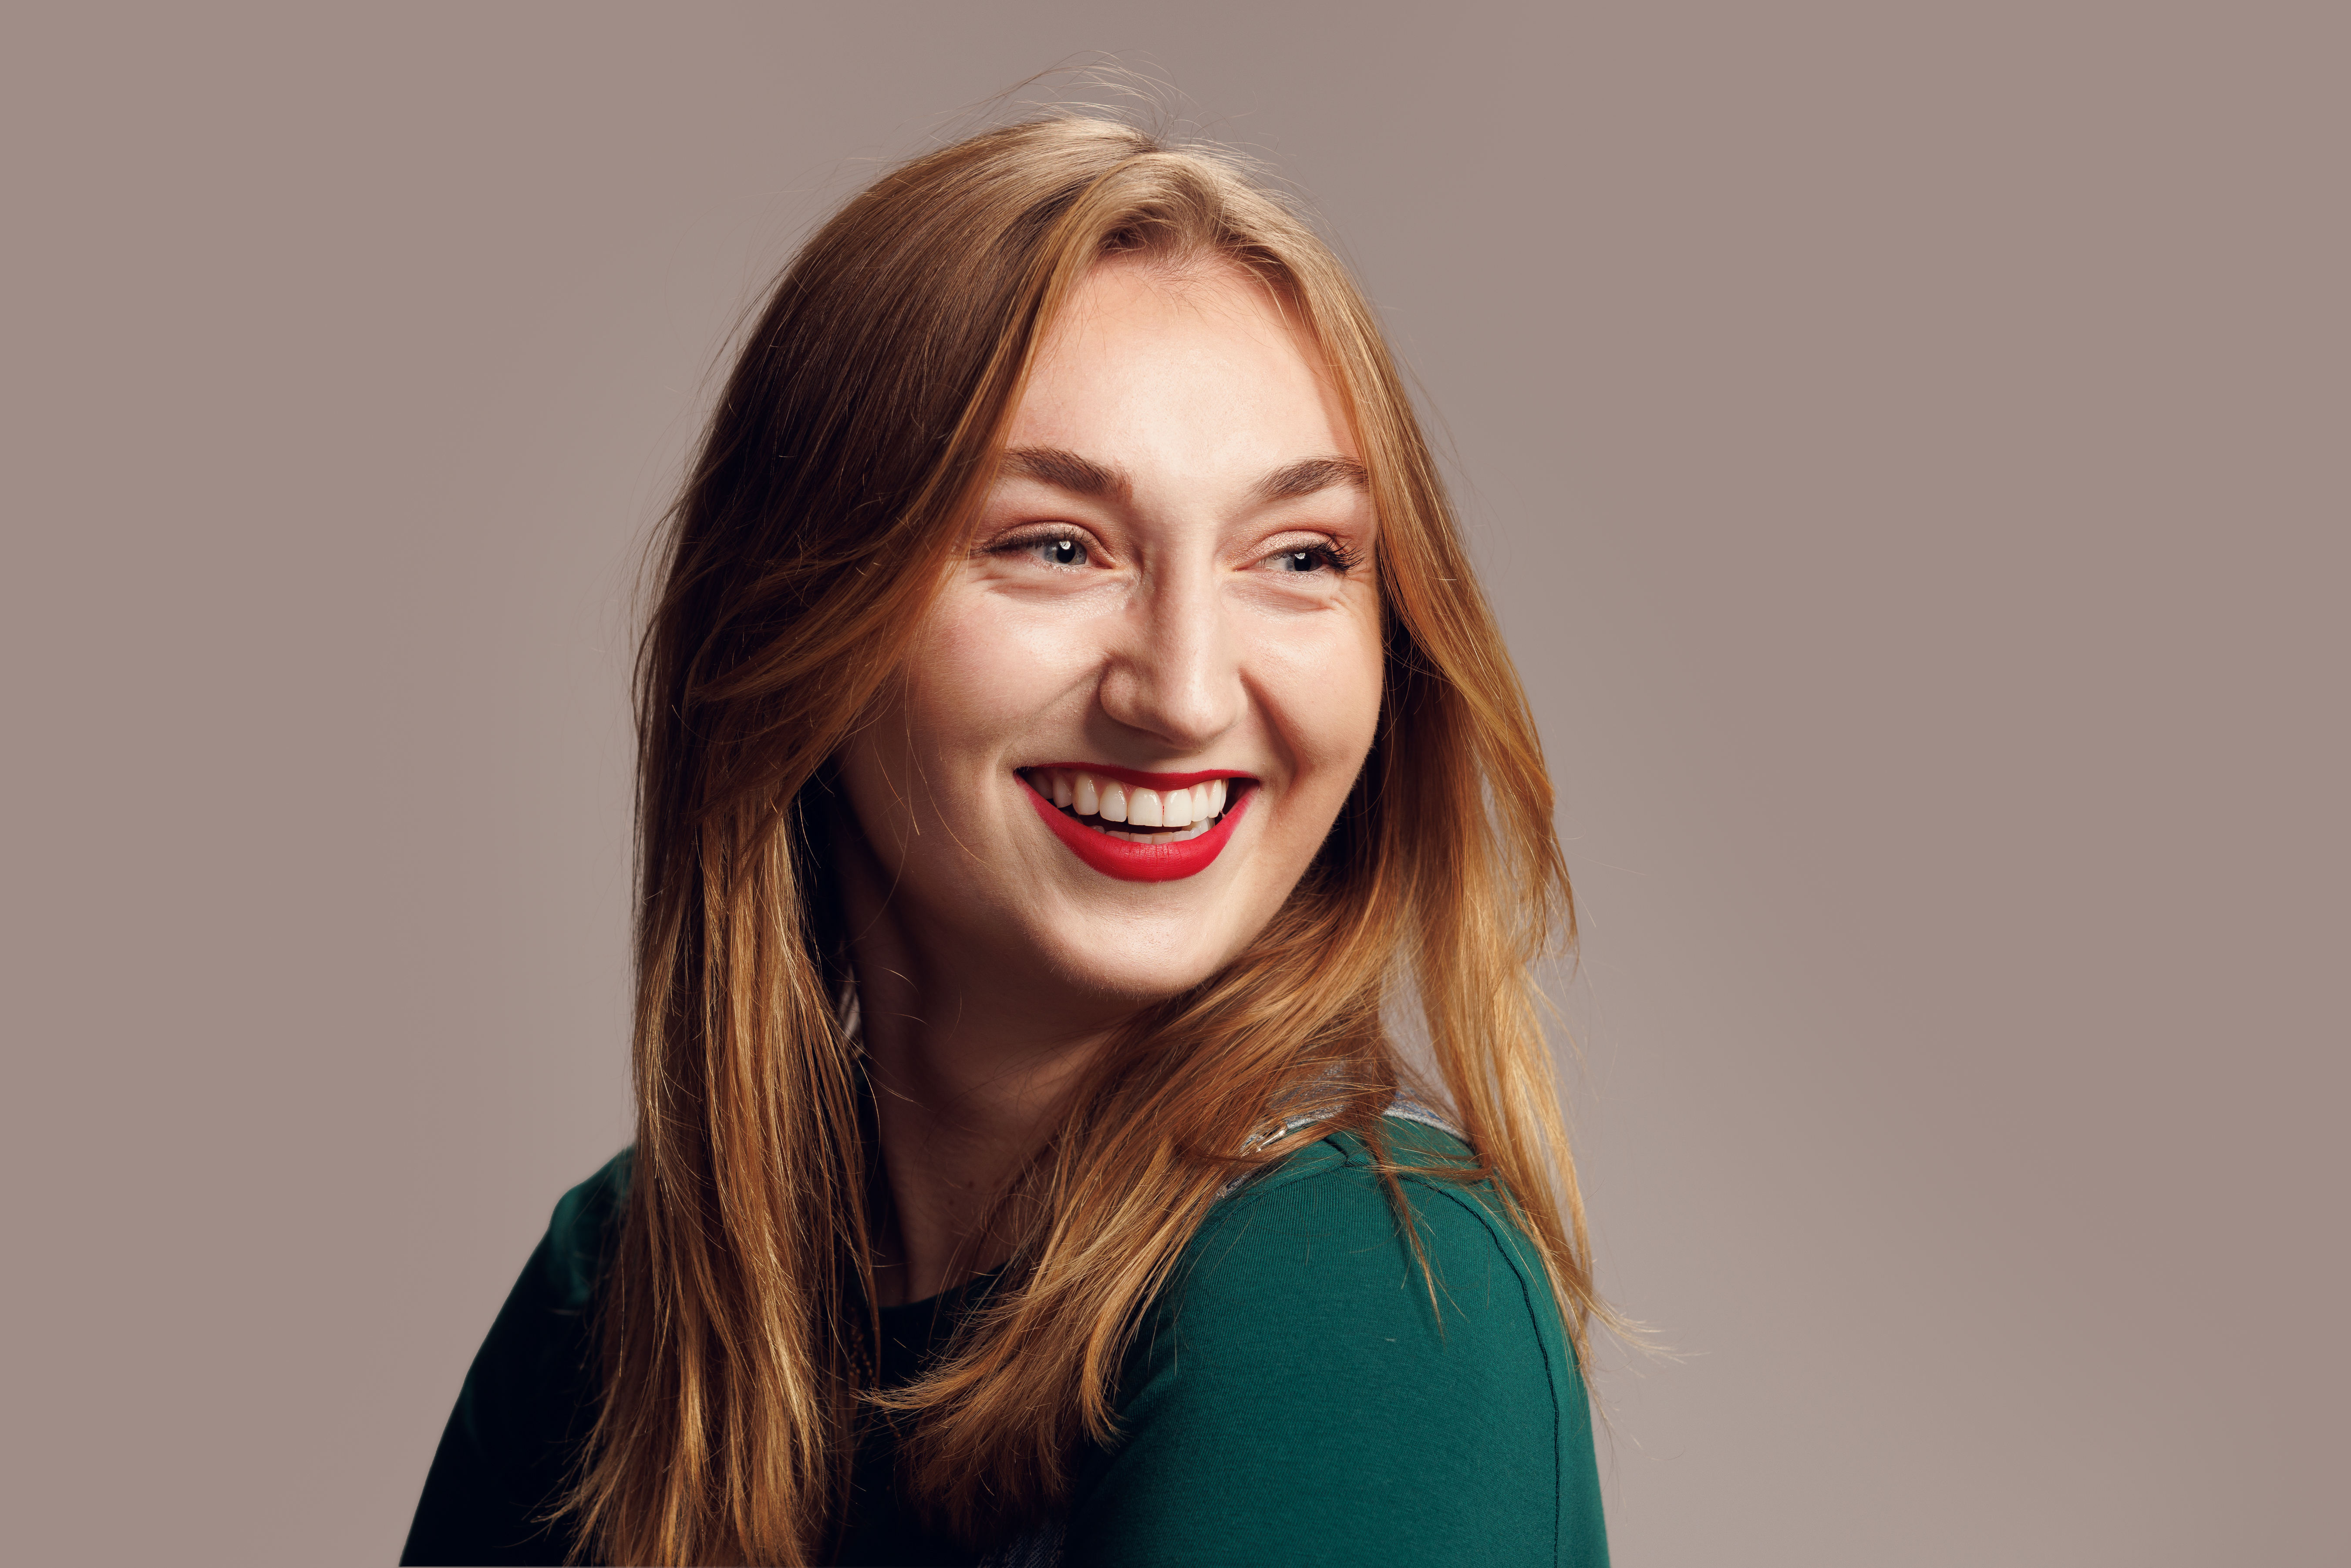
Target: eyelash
1026	543
1333	555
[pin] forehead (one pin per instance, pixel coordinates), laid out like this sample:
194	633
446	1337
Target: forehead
1185	370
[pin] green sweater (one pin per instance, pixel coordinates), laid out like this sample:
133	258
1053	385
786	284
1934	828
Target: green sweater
1292	1396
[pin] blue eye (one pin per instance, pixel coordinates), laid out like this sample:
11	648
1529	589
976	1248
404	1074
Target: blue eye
1062	553
1302	560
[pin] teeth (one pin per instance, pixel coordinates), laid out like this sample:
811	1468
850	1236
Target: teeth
1182	813
1194	831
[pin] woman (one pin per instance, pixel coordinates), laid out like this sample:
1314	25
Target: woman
1067	724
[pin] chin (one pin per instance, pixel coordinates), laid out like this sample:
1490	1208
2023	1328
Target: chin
1144	970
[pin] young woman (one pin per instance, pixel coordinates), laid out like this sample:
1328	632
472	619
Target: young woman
1070	735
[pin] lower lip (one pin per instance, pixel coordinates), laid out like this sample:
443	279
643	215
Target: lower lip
1140	862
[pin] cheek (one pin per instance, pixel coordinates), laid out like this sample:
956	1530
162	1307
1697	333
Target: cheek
1325	690
979	680
956	694
976	678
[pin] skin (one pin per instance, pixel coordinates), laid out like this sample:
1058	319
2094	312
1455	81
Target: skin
1181	633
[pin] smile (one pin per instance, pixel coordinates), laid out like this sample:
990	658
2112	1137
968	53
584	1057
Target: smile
1139	827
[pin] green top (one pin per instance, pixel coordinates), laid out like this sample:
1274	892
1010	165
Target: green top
1292	1395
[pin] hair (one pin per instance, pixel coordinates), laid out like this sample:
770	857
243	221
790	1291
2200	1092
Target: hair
834	490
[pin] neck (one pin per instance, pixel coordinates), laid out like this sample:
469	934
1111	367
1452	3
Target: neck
968	1058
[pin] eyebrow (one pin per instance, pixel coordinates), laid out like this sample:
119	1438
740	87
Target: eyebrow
1067	471
1084	477
1311	474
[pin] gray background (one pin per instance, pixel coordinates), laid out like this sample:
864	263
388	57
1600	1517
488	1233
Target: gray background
1906	445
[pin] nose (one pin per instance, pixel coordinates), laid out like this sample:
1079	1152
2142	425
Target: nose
1173	666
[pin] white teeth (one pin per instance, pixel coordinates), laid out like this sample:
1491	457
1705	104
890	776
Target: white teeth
1182	813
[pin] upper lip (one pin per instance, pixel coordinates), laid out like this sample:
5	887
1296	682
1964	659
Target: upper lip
1137	777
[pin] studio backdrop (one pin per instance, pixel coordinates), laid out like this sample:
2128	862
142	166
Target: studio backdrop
1904	444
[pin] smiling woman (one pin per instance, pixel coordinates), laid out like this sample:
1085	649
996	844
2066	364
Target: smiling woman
1069	728
1171	572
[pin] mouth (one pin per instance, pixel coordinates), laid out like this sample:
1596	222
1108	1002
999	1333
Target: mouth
1136	826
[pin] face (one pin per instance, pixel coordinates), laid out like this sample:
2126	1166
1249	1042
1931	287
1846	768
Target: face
1154	672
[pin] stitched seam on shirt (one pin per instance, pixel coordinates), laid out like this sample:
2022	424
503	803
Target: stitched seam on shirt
1240	1210
1294	1167
1534	1319
1496	1238
1500	1238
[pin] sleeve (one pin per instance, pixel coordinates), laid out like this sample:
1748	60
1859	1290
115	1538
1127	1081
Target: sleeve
1298	1397
507	1449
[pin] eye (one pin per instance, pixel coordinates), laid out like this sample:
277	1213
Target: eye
1049	550
1327	556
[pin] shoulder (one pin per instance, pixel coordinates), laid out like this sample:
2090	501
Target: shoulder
1315	1261
526	1400
1329	1199
1303	1374
571	1258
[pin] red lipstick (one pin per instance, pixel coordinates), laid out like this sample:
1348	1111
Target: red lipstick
1131	861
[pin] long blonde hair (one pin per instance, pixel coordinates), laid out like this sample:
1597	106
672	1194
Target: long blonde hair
832	492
